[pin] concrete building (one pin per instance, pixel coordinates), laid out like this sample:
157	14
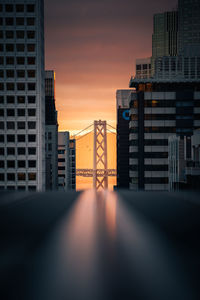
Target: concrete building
22	96
63	161
157	111
51	134
122	99
143	68
164	38
72	161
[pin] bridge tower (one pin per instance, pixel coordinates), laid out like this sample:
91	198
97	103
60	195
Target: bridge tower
100	168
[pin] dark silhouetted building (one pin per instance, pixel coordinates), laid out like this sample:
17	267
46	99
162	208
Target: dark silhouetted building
51	134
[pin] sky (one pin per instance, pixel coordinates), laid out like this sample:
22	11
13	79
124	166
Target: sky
92	46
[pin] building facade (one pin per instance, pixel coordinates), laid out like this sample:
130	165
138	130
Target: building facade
189	28
143	68
122	98
63	161
157	111
22	95
72	162
165	36
51	134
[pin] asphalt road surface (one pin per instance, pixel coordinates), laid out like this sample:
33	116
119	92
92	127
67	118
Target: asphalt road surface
99	246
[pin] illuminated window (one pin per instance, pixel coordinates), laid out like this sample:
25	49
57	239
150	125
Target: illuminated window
31	176
21	176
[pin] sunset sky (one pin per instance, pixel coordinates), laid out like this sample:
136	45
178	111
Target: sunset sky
92	46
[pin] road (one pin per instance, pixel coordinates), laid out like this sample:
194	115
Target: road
99	246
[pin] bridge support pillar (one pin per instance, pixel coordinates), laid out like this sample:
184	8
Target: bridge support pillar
100	156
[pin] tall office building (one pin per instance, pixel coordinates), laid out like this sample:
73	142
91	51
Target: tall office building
189	27
164	38
22	97
122	98
51	134
157	111
63	161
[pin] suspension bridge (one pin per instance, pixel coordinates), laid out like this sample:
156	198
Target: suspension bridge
100	171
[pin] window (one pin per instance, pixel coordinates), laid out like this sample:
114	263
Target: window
10	112
19	21
19	8
30	21
32	188
32	138
1	99
20	60
31	151
20	125
21	176
1	138
9	47
61	168
31	125
10	86
1	151
1	86
1	47
9	8
31	99
20	73
31	112
1	74
10	125
2	164
21	164
50	147
20	34
9	21
21	112
9	34
21	188
21	138
31	176
31	74
31	86
10	164
1	125
61	160
49	135
10	151
31	47
30	8
31	60
32	163
30	34
10	60
20	47
1	60
21	151
1	112
10	73
10	138
2	177
1	7
1	34
20	99
21	86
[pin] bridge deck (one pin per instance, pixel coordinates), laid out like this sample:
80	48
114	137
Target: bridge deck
99	246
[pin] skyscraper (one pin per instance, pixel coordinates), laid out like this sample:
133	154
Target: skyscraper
51	134
22	102
189	27
63	161
164	38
